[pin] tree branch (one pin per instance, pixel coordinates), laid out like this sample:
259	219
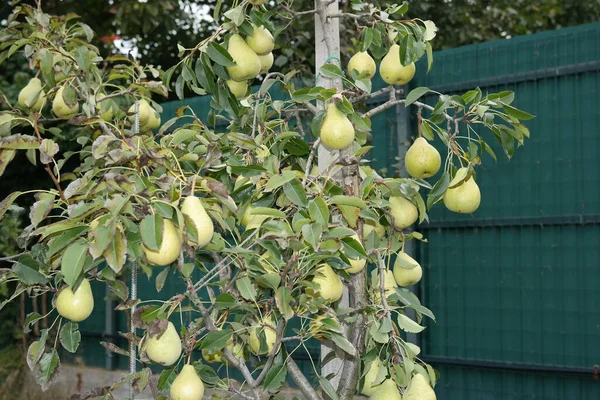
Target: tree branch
300	380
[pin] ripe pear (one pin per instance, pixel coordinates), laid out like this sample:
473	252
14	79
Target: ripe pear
61	109
419	389
238	89
368	388
246	60
169	248
329	283
404	275
165	349
387	391
250	221
464	198
192	207
33	86
153	122
403	211
261	41
422	160
370	226
357	264
149	118
270	336
362	62
337	131
266	62
187	385
76	306
392	71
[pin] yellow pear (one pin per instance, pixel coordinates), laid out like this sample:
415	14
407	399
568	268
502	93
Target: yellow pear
403	211
261	41
370	226
61	109
187	385
392	71
357	264
337	131
246	60
216	356
33	86
362	62
387	391
404	274
153	122
169	248
166	348
419	389
389	286
464	198
266	62
251	221
238	89
422	160
75	306
270	336
329	283
192	207
149	118
368	388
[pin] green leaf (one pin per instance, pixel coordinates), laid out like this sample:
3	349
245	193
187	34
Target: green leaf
353	248
47	371
282	299
72	261
318	211
343	344
271	212
408	325
7	202
151	229
348	201
295	192
6	156
516	113
116	254
331	71
224	301
275	377
279	180
312	234
31	319
328	388
216	340
236	15
64	239
246	288
70	337
41	208
27	271
415	95
166	378
161	279
218	54
45	61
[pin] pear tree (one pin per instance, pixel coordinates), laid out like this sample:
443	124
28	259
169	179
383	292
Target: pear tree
263	206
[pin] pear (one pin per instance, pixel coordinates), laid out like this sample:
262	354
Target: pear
61	109
149	118
464	198
387	391
246	60
368	388
422	160
357	264
187	385
362	62
419	389
261	41
169	248
337	131
404	274
238	89
370	226
329	283
389	286
28	94
166	348
392	71
216	356
192	207
270	336
75	306
403	211
250	221
266	62
257	2
153	122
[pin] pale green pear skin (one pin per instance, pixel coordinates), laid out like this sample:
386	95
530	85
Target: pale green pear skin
76	306
165	349
356	265
329	283
238	89
270	336
169	248
388	390
192	207
407	277
337	132
61	109
403	211
266	62
422	160
389	288
368	388
464	198
187	385
261	41
246	60
419	389
34	85
149	119
392	71
362	62
370	226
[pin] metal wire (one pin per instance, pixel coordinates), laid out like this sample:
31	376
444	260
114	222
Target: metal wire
133	291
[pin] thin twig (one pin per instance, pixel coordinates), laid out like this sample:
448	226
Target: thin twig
311	157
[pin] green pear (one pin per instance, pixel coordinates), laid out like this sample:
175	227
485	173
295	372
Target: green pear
61	109
329	283
422	160
406	270
337	131
187	385
246	60
403	211
251	221
392	71
169	248
270	336
75	306
387	391
192	207
266	62
238	89
27	96
370	226
149	118
166	348
261	41
362	62
368	387
419	389
464	198
357	264
216	356
389	286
